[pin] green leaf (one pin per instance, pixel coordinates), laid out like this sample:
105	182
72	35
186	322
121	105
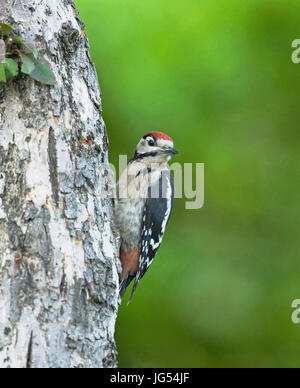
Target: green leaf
6	29
11	68
43	72
2	73
32	49
28	63
19	40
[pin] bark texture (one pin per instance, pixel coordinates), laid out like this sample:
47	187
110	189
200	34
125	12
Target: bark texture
58	248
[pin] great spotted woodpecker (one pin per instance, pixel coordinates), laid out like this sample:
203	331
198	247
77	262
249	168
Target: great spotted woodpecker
145	197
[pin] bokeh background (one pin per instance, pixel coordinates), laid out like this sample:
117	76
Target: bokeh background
217	76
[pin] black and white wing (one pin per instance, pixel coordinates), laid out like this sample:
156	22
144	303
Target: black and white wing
157	211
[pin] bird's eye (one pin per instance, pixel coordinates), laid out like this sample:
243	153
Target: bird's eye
151	143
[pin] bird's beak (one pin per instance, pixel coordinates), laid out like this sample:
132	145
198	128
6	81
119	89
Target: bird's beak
169	150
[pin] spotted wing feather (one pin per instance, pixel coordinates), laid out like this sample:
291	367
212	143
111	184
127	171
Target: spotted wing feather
157	211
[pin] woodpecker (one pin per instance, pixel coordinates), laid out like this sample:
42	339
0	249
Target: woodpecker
145	198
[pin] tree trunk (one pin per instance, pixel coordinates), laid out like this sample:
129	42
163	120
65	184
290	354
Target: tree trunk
58	247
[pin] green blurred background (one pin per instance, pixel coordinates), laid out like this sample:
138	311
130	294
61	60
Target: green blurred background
217	76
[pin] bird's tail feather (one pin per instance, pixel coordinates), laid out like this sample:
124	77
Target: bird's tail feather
133	290
124	284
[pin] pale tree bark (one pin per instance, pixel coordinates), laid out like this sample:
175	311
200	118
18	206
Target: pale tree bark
58	246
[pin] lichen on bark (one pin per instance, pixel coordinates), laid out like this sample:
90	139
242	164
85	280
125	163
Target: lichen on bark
58	246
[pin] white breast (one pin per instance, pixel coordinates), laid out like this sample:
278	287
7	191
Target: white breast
132	191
